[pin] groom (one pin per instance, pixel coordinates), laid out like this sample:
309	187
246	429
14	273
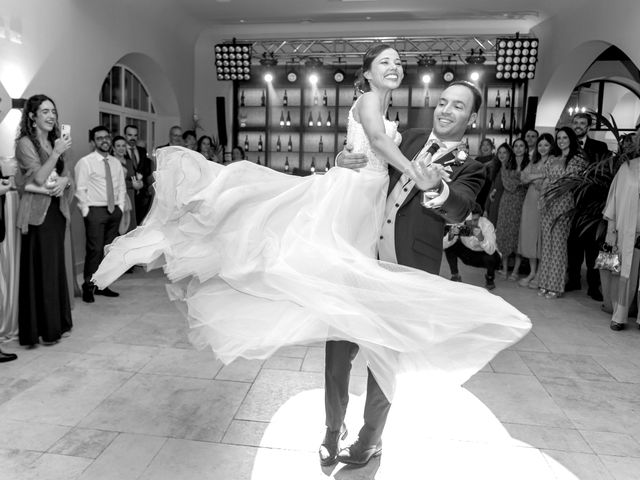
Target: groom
411	235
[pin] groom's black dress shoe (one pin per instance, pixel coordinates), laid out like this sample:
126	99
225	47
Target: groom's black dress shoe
7	357
107	292
359	453
328	451
87	292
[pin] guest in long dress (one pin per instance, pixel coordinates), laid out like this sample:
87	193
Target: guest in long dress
622	213
9	250
510	211
533	176
554	223
128	221
47	191
492	204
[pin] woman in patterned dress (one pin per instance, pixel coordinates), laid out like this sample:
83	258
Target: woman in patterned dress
533	175
554	224
510	211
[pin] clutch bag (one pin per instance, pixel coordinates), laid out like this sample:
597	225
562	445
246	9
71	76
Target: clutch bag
608	259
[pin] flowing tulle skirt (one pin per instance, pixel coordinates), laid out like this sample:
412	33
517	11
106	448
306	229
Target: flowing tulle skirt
260	260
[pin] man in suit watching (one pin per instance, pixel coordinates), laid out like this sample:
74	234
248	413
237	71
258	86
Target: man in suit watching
411	235
144	172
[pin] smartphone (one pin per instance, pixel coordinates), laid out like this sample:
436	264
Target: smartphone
65	130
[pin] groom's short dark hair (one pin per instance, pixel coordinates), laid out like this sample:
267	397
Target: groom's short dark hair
477	94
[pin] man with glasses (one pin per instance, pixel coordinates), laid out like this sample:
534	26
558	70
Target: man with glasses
101	194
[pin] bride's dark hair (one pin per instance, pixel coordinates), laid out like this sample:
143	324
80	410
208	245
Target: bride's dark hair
361	83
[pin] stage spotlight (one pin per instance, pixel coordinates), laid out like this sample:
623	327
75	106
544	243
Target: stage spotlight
516	58
313	78
474	59
292	74
233	61
339	75
475	76
426	78
268	77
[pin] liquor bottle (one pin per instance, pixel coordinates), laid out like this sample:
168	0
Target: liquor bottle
320	145
242	98
285	99
328	124
427	97
286	164
345	141
315	98
397	119
310	121
319	120
260	144
391	100
258	161
491	121
262	99
278	145
507	100
503	123
246	143
498	99
355	95
387	115
327	165
287	122
289	145
313	165
282	118
466	143
324	98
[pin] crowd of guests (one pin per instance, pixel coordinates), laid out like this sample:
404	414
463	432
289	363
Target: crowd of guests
544	230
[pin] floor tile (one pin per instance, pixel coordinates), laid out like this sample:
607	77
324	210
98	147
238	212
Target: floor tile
83	442
180	362
29	435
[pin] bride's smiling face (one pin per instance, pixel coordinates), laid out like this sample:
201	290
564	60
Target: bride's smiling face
386	71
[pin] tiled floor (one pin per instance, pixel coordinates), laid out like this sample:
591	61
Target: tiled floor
127	397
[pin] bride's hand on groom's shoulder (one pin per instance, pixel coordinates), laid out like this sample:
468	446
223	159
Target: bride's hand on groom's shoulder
347	158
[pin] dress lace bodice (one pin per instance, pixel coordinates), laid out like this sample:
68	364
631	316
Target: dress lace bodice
358	139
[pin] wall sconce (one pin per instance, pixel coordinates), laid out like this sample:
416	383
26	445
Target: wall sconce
18	103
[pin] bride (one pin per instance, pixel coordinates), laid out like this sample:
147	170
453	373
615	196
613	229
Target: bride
260	259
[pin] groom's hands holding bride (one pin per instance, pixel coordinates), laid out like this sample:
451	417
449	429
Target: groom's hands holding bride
347	158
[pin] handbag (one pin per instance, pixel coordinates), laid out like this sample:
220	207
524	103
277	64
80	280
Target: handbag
608	259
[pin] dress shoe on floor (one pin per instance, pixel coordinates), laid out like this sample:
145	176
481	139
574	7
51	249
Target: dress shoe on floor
7	357
456	277
596	295
328	450
107	292
87	292
616	327
489	283
359	453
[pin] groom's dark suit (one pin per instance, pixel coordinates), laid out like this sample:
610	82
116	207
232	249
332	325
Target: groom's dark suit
418	244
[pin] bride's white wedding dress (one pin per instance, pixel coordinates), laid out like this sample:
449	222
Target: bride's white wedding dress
261	259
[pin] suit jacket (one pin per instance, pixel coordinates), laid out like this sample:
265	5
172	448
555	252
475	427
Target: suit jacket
419	230
595	150
145	168
2	227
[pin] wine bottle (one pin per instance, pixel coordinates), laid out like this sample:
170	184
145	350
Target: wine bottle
278	145
427	98
324	98
286	164
262	99
310	121
285	99
313	165
320	145
397	119
315	98
258	161
327	165
289	145
507	100
387	115
345	141
246	143
260	144
288	120
319	120
466	143
328	124
242	98
503	123
282	118
491	121
498	99
391	100
355	94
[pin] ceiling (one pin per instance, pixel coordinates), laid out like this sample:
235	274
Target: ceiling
250	12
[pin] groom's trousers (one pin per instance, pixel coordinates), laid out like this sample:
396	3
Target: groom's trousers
339	356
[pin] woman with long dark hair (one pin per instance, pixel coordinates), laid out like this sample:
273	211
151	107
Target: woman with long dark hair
533	176
510	210
47	191
555	224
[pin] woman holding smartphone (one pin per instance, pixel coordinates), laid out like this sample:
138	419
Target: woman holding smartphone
43	215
